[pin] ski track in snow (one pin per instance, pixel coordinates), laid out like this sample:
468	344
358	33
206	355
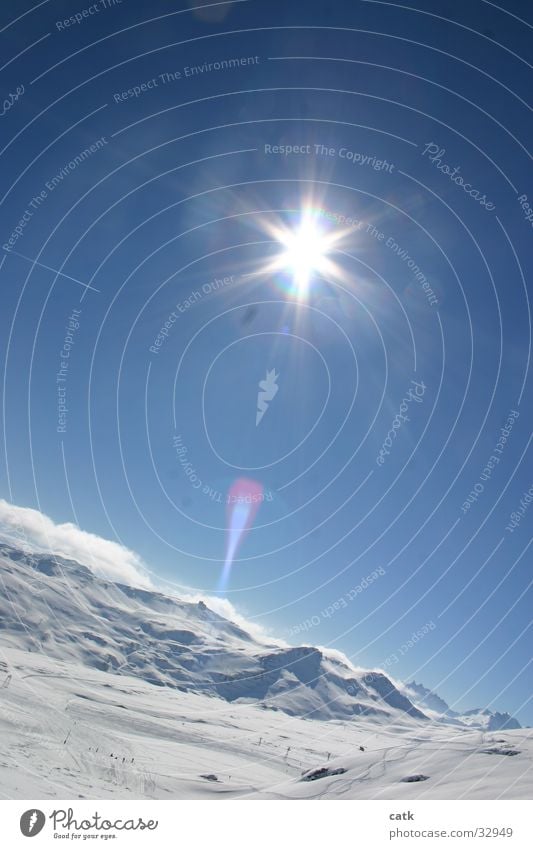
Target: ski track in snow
174	738
110	692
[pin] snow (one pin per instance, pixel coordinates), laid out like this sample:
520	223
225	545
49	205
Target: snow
111	692
63	610
437	708
127	739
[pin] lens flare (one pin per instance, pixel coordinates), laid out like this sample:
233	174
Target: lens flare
305	252
306	243
243	501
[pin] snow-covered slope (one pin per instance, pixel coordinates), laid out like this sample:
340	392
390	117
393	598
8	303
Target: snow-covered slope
107	691
67	731
437	708
60	609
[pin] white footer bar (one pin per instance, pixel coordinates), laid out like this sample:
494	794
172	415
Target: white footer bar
240	824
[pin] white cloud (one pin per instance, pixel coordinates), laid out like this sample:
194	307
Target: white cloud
106	558
25	526
225	608
335	654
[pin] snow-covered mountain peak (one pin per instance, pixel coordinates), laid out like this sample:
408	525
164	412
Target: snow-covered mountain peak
437	708
63	610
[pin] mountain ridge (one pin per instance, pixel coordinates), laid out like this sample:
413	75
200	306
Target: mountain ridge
61	608
481	718
65	610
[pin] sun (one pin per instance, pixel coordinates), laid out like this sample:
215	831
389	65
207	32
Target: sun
305	253
306	247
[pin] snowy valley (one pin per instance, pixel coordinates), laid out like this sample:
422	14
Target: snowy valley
111	691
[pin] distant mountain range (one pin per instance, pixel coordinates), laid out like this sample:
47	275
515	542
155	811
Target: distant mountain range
484	719
63	610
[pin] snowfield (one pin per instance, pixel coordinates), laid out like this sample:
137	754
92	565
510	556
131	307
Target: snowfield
70	732
110	692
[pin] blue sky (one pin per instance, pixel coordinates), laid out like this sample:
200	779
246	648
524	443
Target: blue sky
175	213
